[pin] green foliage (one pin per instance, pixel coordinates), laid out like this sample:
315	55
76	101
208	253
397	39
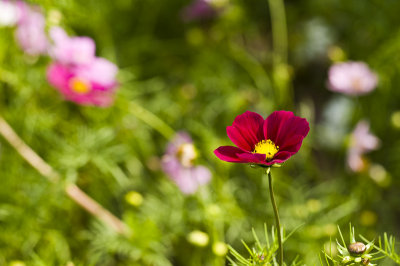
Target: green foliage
387	247
198	77
352	253
262	254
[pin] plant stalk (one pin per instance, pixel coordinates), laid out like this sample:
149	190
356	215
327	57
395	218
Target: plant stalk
151	119
277	221
279	31
73	191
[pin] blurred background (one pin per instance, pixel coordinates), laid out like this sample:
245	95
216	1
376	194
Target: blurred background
195	69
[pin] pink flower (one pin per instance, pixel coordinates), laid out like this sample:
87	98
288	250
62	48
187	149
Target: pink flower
361	142
352	78
77	73
199	10
264	142
30	32
178	164
91	84
71	50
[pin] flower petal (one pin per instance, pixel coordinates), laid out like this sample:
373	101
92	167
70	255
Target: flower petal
292	127
231	154
100	71
58	76
281	157
246	130
189	179
201	174
184	180
252	158
274	123
291	144
71	50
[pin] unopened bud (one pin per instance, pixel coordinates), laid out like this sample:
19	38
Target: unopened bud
219	248
134	198
357	248
198	238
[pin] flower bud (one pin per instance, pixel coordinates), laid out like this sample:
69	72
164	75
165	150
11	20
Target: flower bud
219	249
198	238
134	198
357	248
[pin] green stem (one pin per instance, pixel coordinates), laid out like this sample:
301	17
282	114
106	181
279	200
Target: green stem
151	119
279	31
281	70
277	221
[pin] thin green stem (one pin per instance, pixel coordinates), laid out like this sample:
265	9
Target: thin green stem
279	31
151	119
277	221
281	70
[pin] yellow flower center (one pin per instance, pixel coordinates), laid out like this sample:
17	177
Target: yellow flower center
79	86
187	154
266	147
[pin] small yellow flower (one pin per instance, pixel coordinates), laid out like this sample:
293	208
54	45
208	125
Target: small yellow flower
134	198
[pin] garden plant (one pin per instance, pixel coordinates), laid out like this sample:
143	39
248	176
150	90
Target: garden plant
199	132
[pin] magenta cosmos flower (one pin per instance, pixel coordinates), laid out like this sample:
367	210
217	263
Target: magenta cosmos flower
91	84
352	78
77	73
178	164
264	142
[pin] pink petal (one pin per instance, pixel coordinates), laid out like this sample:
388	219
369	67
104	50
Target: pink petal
100	71
281	157
201	174
292	127
293	144
252	158
188	179
274	123
58	35
246	130
229	154
31	34
185	181
102	99
355	161
71	50
352	78
58	76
